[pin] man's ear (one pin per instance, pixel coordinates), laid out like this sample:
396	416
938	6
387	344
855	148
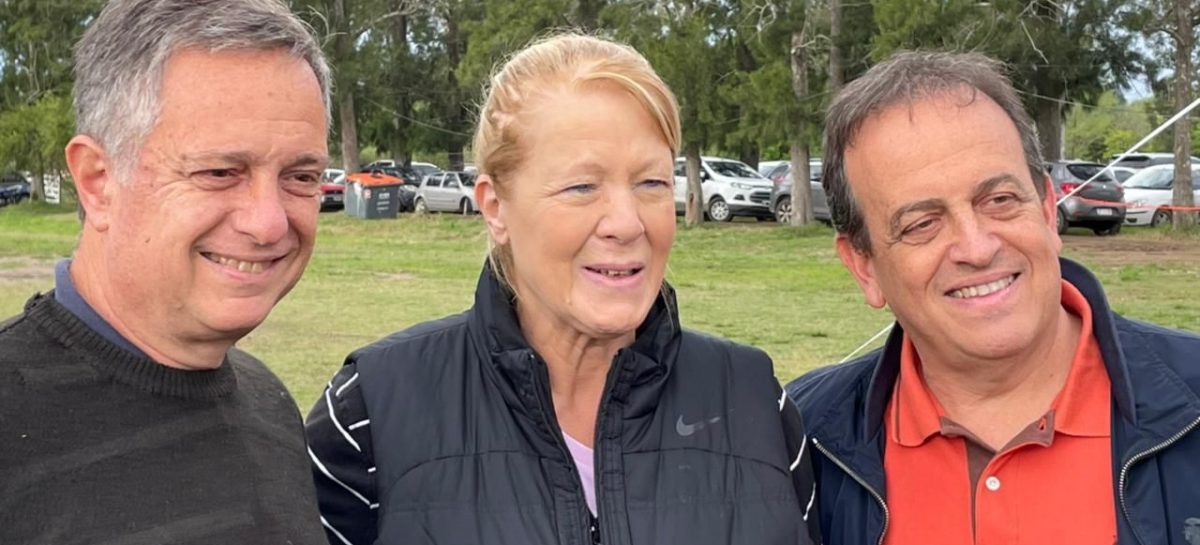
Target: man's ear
95	178
489	206
1050	211
862	267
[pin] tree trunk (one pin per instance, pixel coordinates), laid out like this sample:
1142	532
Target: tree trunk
750	154
1049	119
837	73
37	186
801	195
455	112
349	129
342	48
802	212
587	14
694	213
1183	128
401	83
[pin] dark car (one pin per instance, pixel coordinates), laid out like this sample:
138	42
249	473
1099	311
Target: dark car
781	196
1099	206
1143	160
14	188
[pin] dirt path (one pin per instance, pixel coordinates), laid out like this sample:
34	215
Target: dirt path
1122	250
14	269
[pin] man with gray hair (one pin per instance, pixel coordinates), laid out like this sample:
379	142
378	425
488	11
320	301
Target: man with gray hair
1010	404
126	414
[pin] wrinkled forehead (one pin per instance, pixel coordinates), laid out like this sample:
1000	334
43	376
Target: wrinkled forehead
932	146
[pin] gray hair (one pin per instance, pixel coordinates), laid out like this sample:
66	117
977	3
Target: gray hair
119	61
905	78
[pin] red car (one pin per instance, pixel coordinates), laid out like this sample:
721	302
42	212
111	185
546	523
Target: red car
333	189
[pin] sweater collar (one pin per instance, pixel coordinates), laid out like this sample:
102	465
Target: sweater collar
123	366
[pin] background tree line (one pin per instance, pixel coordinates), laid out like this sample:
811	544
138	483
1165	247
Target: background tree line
753	77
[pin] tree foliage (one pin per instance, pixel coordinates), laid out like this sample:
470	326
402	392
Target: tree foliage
409	73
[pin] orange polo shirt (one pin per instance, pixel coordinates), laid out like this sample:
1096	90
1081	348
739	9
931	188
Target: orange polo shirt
1051	484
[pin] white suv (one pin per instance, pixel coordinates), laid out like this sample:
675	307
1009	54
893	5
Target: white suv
730	188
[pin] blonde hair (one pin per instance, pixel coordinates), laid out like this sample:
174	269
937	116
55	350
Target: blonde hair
551	64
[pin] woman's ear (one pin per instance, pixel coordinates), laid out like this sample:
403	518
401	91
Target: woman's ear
489	206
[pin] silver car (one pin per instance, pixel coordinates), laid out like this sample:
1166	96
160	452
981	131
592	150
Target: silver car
446	192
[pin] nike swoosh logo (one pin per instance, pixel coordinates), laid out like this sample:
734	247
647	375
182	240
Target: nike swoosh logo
685	430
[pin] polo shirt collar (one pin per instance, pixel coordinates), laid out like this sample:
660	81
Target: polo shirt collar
1080	409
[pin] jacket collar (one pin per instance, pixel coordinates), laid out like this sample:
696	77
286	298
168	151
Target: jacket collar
1151	380
497	332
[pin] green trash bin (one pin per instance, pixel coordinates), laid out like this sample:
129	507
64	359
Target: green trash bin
375	201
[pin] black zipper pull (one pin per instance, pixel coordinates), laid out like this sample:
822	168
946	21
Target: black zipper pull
595	527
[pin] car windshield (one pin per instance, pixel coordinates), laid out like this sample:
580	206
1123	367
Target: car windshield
1151	178
467	179
733	169
1085	172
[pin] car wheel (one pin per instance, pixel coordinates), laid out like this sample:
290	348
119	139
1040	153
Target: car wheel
1107	231
783	210
1161	217
1061	225
465	207
718	210
419	206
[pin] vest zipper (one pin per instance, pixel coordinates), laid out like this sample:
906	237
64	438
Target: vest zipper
878	497
1139	457
543	389
595	528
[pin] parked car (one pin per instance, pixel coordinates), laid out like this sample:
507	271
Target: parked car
781	196
1152	189
383	175
730	188
333	189
413	174
447	192
1143	160
334	176
425	169
380	164
1099	206
14	188
767	167
1120	174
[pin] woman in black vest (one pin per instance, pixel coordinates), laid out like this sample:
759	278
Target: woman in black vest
567	406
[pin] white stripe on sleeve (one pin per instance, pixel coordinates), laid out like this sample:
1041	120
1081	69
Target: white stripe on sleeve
799	455
326	472
339	535
349	381
338	425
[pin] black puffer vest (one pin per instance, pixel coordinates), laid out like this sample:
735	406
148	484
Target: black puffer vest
468	449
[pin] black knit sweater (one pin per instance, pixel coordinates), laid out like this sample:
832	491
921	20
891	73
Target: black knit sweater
99	446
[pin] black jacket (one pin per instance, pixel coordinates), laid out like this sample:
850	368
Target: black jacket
445	433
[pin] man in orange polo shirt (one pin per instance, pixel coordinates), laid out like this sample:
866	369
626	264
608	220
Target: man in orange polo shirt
1010	405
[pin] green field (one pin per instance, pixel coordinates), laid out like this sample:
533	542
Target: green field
779	288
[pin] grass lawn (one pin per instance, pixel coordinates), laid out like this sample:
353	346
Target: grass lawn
779	288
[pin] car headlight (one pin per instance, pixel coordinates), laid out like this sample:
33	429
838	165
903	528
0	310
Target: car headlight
743	187
1139	202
